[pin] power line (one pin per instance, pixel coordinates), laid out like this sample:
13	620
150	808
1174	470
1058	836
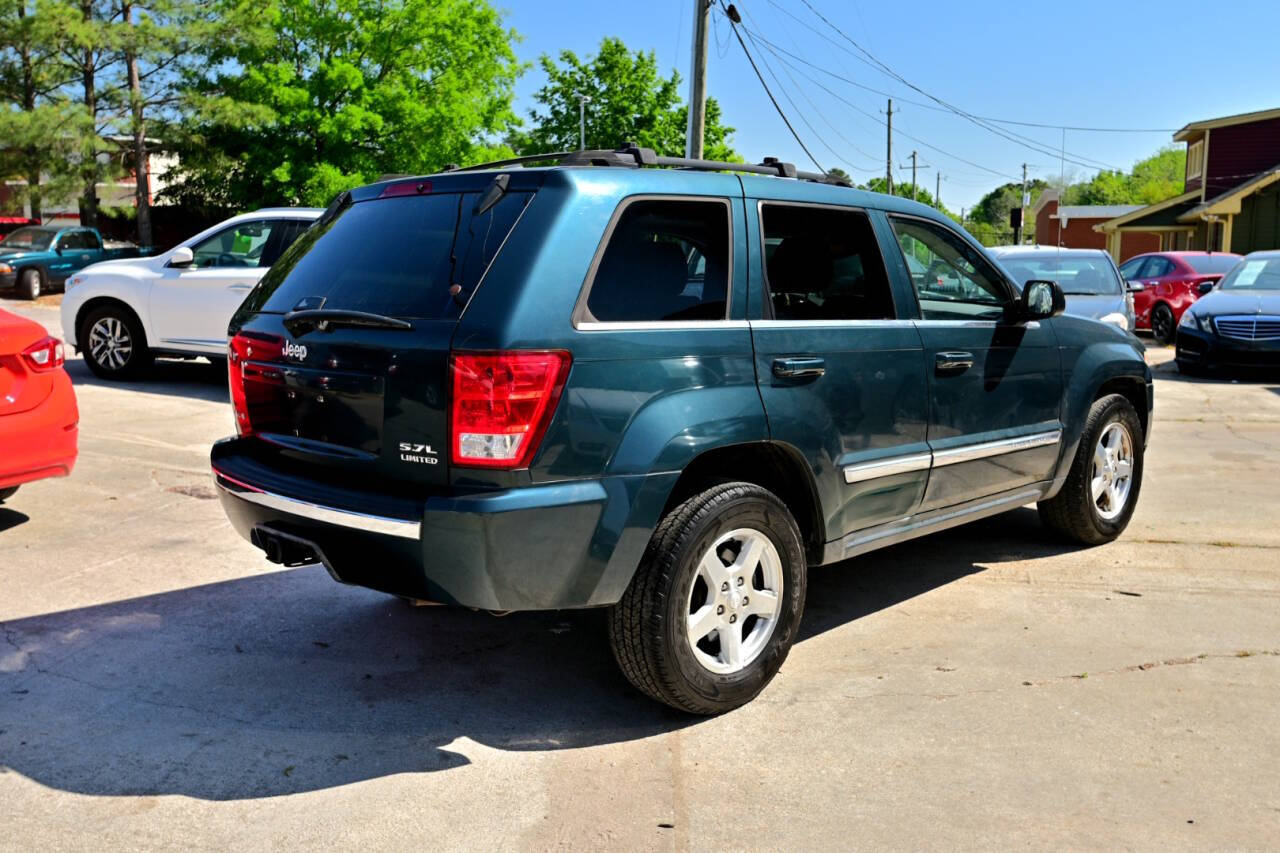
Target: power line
772	99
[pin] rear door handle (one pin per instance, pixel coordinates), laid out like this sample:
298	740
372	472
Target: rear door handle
952	362
799	367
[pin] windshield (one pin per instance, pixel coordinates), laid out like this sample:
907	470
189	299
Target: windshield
29	238
1254	274
1088	276
1209	264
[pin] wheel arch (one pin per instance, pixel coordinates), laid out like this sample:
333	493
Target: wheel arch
96	302
772	465
1133	389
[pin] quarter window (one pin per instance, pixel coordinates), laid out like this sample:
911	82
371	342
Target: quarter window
951	279
823	263
666	260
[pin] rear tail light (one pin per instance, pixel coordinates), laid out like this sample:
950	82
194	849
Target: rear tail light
502	403
253	385
44	355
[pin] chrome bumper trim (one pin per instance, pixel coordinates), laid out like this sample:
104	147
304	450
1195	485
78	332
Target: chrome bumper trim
329	515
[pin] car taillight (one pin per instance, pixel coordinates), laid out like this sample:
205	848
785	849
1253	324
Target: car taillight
44	355
502	403
250	383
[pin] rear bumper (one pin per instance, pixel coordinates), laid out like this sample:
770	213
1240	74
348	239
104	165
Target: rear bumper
41	442
558	545
1195	348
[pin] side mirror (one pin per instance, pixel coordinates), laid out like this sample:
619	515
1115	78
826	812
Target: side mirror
1205	286
1135	286
181	257
1040	300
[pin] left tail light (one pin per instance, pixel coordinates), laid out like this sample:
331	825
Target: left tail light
255	384
44	355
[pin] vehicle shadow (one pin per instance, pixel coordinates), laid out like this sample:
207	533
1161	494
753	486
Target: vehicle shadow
198	380
287	682
10	518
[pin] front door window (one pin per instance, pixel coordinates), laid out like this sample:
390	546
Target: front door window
951	279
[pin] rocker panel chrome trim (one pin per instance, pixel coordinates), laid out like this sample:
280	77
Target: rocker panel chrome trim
974	452
887	467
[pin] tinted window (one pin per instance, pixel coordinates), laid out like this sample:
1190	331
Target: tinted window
1129	269
1254	274
952	279
283	233
1076	275
1209	264
666	260
393	256
241	245
29	238
823	264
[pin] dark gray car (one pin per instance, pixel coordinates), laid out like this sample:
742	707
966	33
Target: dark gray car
1093	286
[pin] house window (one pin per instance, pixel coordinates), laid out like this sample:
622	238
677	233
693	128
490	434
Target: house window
1195	159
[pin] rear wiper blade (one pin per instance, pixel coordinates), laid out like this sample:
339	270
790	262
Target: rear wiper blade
324	319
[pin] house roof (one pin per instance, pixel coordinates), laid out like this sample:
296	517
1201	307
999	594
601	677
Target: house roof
1169	209
1229	201
1226	121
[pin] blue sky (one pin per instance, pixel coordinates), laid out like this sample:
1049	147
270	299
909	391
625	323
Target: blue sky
1118	64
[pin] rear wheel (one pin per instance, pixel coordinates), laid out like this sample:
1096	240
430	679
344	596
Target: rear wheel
1162	325
1101	491
29	284
5	494
114	344
714	607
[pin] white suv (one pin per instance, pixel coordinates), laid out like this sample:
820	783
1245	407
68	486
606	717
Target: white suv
122	313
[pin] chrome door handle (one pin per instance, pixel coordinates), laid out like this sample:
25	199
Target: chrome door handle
797	368
952	362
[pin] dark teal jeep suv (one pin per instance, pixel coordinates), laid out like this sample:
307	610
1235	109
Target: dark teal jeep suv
661	386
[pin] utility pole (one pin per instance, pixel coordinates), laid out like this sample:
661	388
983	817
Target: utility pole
583	100
698	81
937	190
888	149
913	176
1022	204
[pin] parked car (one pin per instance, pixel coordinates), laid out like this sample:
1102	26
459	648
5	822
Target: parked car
38	416
1236	324
123	313
1171	281
1088	278
40	257
499	388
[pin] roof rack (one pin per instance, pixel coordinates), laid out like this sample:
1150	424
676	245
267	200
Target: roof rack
630	155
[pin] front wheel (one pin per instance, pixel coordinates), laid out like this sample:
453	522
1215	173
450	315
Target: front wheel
714	607
115	347
1162	323
1101	491
29	284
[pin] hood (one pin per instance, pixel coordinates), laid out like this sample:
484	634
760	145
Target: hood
1095	306
7	255
1238	302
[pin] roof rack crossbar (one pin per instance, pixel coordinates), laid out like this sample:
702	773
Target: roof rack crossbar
630	155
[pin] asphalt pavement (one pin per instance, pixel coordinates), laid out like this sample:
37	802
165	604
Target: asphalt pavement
163	687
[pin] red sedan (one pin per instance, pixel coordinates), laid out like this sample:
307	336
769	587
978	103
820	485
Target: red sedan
38	415
1170	283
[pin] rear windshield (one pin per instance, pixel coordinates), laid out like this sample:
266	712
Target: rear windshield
1209	264
1075	275
393	256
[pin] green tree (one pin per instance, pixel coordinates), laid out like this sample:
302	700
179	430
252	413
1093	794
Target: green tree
1153	179
630	101
318	96
879	185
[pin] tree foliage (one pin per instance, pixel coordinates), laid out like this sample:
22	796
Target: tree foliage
323	95
630	101
1154	179
879	185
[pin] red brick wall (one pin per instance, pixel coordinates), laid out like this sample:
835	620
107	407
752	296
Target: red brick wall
1079	234
1137	242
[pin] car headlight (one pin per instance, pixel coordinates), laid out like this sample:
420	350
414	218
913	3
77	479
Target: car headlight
1206	323
1188	320
1116	319
73	281
5	269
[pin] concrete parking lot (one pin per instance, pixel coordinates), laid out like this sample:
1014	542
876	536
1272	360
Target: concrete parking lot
162	686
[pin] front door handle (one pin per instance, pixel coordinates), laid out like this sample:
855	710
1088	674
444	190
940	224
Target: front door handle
799	367
949	363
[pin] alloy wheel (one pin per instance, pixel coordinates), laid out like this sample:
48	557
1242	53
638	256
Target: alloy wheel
1112	475
734	601
110	343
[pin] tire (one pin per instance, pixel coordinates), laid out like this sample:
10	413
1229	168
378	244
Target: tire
5	494
650	628
29	283
127	356
1076	512
1163	327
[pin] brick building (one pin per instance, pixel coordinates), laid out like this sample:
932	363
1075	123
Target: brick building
1072	226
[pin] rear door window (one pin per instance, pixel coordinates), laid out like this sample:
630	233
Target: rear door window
393	256
1156	267
666	260
823	263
